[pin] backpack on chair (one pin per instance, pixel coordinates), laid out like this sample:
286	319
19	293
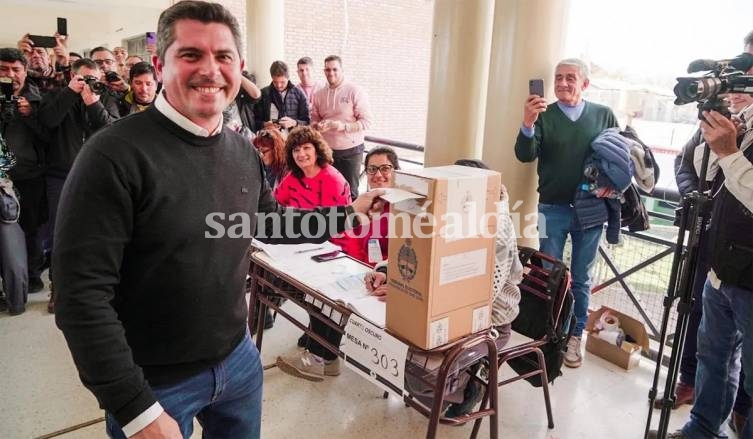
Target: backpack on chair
546	311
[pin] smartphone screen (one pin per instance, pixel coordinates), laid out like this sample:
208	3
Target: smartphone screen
328	256
62	26
151	38
40	41
536	87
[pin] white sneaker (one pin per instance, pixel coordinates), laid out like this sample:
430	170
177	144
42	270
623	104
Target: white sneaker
573	357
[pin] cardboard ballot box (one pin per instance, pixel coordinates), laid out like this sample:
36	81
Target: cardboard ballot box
441	254
627	355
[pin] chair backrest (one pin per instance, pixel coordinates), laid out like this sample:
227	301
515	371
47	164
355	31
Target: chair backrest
544	292
546	314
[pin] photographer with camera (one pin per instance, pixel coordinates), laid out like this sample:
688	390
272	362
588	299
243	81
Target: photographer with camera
106	62
73	115
28	140
725	335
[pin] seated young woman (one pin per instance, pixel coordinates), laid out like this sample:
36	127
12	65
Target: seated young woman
316	361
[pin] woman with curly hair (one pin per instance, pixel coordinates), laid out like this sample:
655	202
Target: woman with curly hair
271	147
312	181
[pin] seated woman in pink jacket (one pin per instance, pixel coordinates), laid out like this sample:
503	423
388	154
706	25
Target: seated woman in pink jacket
316	361
312	181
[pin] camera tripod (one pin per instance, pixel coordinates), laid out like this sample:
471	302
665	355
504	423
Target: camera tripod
693	215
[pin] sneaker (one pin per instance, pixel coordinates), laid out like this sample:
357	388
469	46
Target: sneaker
471	396
573	357
35	285
684	394
304	365
653	434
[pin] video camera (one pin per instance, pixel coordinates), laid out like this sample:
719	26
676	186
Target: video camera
8	102
94	84
724	76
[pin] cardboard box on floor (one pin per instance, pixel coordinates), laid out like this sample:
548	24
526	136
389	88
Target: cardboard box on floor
626	356
440	283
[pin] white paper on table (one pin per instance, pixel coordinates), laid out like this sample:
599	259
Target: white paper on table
393	195
371	308
289	253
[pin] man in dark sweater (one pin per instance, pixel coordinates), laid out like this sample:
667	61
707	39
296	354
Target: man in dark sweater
151	297
560	135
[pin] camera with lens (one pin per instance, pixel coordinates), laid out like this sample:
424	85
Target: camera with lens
8	102
94	84
112	77
723	77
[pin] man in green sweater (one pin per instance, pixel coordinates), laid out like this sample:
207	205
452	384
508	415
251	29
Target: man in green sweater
560	135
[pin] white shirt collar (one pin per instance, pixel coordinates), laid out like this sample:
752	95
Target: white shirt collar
182	121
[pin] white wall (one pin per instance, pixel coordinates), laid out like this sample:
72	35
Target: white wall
89	25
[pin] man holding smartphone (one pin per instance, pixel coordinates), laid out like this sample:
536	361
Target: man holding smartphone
560	135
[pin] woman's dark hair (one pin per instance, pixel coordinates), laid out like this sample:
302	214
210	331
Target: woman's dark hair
298	137
273	138
383	150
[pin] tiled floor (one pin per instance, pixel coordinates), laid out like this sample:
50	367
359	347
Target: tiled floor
40	393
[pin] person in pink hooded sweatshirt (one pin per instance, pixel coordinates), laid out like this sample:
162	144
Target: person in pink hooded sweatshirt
341	113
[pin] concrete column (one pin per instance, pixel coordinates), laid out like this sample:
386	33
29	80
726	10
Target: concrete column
265	37
527	42
459	70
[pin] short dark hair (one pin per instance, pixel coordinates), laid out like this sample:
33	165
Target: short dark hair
333	58
306	134
305	60
75	54
386	151
83	62
278	68
202	11
748	40
100	49
140	68
9	54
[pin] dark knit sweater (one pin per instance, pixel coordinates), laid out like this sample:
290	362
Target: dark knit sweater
561	146
141	291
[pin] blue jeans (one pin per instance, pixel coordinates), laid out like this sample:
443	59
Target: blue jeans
724	338
226	399
556	221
